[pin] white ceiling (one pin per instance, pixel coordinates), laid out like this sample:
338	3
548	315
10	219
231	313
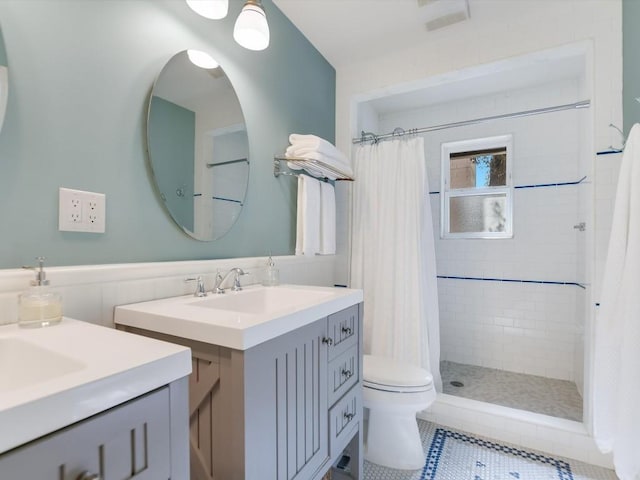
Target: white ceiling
345	30
477	81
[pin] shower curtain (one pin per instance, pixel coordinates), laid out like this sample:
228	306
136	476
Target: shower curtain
393	253
616	378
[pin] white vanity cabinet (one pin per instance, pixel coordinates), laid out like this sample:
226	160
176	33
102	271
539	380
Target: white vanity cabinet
284	409
130	441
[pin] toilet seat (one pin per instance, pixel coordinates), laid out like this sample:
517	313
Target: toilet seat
390	375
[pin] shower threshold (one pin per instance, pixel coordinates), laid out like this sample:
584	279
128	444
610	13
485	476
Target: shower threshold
548	396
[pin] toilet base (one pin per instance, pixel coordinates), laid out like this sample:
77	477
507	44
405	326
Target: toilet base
393	441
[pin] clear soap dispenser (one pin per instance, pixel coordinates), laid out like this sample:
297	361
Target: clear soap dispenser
39	306
271	274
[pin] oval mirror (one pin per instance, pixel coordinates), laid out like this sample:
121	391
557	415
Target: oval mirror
4	80
198	146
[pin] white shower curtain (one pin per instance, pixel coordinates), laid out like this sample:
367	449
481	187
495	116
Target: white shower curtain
393	254
616	377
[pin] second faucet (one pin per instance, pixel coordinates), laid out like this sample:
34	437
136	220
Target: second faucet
237	272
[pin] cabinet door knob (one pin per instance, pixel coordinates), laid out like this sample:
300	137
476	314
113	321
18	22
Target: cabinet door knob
88	476
349	416
327	340
347	330
347	373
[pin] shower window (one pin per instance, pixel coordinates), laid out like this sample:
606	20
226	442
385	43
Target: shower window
476	193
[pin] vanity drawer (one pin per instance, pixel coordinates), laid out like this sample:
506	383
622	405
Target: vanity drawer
343	373
129	441
343	331
343	418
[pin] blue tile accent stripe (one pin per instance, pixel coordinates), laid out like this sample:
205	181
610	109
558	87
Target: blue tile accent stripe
227	200
540	185
223	199
436	449
553	184
545	282
609	152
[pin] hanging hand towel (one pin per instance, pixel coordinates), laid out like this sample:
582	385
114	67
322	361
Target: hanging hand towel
327	219
616	391
308	216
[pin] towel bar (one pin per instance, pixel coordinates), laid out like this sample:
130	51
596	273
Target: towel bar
315	164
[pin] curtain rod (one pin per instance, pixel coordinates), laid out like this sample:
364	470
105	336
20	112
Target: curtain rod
398	132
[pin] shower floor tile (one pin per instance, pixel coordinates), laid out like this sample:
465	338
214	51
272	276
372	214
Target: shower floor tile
557	398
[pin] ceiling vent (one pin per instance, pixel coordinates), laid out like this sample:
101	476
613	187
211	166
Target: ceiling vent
441	13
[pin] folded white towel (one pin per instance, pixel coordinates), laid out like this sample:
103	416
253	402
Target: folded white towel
327	219
308	216
316	172
336	163
337	170
305	143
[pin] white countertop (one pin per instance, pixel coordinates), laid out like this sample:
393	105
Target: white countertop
182	317
106	368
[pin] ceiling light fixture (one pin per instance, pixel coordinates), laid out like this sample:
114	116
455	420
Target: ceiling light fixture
202	59
213	9
251	29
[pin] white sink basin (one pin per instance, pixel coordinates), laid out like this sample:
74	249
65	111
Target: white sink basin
238	320
264	300
55	376
23	364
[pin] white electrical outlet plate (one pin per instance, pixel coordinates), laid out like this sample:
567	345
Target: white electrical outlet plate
81	211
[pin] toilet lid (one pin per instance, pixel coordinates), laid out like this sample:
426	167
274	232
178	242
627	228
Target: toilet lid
390	374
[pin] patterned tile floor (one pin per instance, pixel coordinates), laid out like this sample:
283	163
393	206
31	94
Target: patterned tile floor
558	398
492	463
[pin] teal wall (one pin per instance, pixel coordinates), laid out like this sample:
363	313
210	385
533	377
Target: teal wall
3	53
80	76
172	133
631	62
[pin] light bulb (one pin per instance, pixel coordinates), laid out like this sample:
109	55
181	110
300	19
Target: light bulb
213	9
251	29
202	59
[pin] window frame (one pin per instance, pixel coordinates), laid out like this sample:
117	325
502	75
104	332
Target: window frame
446	193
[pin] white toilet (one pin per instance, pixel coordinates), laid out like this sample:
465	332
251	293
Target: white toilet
394	392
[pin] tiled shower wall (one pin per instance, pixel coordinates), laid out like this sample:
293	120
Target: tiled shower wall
523	327
529	328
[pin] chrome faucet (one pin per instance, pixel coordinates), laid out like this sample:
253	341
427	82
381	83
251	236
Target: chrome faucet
218	284
200	291
237	272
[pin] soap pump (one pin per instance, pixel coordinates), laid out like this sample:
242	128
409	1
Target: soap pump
39	306
271	274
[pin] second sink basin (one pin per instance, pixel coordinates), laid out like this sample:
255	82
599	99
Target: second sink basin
238	320
23	364
263	300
